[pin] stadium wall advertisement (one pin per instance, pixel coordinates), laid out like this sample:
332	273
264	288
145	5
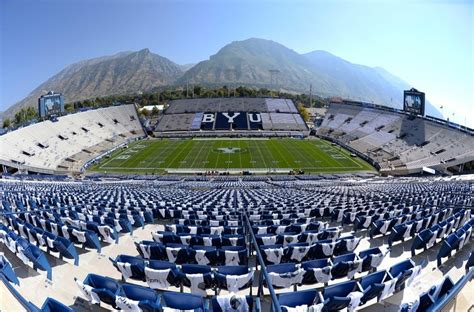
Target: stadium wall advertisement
231	120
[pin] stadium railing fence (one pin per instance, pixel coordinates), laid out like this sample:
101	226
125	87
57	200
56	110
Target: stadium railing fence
275	305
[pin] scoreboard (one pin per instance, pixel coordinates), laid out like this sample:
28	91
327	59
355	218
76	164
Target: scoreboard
414	102
51	104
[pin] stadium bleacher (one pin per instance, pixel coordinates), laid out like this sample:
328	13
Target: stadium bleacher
68	143
397	142
231	117
350	242
310	243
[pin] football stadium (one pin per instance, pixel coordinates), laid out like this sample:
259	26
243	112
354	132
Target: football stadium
236	176
229	202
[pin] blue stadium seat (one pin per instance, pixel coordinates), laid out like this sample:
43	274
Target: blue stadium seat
470	262
240	272
52	305
130	267
188	270
322	265
372	285
450	244
7	270
179	253
182	301
35	255
303	297
62	245
285	273
210	254
106	288
235	303
336	296
368	256
148	299
241	257
151	250
422	240
343	264
173	278
402	271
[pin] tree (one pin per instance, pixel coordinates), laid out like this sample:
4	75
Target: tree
162	96
197	90
155	111
152	97
69	107
7	123
144	112
304	112
31	113
18	117
24	115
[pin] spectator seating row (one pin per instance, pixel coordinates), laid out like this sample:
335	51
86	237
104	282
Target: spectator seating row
127	297
199	239
64	234
8	275
297	252
409	229
180	254
202	229
426	238
351	294
308	236
163	274
384	227
324	270
455	241
28	253
297	227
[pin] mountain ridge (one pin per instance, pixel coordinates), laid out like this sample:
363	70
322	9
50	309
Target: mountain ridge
248	62
121	73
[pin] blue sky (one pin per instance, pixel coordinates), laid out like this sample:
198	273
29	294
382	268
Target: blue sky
427	43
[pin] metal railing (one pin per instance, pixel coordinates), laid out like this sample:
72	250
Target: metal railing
440	305
30	307
263	269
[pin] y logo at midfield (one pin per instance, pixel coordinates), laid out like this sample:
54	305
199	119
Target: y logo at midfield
228	150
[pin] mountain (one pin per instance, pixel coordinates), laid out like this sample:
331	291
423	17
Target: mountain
252	62
352	80
125	72
399	84
186	67
249	62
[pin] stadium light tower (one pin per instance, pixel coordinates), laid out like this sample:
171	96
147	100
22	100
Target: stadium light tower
187	85
274	77
228	72
232	73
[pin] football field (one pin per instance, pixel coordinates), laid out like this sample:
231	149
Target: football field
155	156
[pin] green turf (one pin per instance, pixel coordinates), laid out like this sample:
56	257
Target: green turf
154	156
